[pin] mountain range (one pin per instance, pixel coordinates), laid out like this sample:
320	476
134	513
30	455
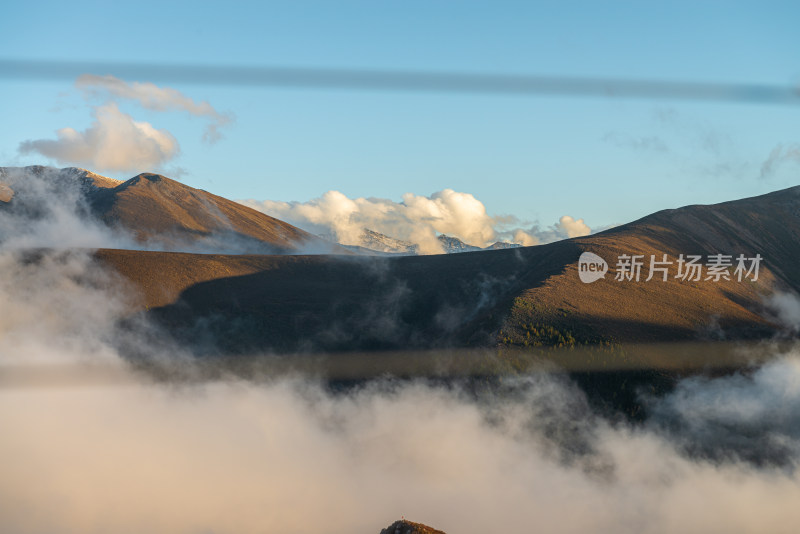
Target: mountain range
275	298
372	241
164	213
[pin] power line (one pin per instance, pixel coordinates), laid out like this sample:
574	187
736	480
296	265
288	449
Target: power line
403	81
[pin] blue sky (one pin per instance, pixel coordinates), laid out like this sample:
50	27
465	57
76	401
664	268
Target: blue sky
605	160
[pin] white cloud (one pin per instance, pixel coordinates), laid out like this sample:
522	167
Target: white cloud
115	142
524	238
787	309
566	227
418	219
573	227
153	97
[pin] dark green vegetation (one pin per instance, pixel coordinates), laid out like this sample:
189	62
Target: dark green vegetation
532	325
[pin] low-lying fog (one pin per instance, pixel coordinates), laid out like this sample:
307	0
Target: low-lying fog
125	453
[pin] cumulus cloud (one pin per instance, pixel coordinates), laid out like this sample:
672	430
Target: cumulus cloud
417	219
114	142
153	97
573	227
524	238
566	227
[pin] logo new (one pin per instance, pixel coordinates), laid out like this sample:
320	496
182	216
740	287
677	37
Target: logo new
591	267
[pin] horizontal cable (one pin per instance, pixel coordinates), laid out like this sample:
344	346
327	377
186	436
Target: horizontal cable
414	81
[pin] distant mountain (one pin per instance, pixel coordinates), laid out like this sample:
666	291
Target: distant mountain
453	245
378	242
164	213
375	241
500	245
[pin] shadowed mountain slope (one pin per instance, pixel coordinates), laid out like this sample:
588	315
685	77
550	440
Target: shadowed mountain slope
291	303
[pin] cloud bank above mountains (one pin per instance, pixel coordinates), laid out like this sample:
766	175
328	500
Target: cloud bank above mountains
416	218
116	142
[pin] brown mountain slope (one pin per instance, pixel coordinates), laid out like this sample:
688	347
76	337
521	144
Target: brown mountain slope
159	212
768	225
527	297
161	209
